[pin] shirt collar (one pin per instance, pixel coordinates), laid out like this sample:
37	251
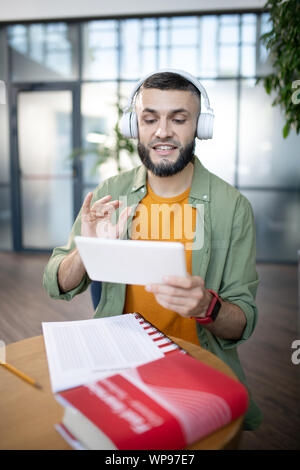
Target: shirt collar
200	188
139	179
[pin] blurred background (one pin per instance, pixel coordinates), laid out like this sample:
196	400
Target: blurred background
68	67
66	77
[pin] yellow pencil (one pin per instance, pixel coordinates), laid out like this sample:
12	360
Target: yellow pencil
20	374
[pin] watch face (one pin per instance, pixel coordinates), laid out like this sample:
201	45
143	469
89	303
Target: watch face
215	310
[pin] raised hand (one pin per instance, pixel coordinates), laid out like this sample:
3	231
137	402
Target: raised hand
96	220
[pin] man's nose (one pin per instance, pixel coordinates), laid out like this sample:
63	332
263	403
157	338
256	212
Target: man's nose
164	129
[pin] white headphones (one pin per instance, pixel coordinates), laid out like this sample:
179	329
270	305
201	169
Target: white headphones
129	121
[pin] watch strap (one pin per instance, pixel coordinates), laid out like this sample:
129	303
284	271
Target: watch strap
213	309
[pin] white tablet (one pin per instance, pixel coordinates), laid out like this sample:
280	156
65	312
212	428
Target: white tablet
131	261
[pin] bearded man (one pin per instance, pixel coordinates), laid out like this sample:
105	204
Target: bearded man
173	197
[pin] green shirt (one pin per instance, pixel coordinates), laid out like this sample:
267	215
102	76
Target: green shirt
225	257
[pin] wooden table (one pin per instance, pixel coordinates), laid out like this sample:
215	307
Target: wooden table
28	415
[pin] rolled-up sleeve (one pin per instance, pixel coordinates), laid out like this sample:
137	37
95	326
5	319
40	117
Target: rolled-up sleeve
240	278
50	279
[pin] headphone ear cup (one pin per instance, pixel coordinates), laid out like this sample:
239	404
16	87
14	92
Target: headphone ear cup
125	125
128	125
134	130
205	126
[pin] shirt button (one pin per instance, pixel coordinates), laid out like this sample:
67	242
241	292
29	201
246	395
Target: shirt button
205	196
143	190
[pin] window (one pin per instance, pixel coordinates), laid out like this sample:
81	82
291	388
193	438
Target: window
5	203
223	51
42	52
100	41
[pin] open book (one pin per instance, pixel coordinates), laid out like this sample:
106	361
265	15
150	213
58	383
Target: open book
86	350
168	403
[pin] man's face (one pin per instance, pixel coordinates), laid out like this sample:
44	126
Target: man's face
167	121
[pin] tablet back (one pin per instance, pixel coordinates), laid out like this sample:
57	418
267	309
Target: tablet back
131	261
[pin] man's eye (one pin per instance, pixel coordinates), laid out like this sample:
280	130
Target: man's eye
149	121
179	121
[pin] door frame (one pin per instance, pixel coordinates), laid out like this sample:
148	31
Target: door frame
16	195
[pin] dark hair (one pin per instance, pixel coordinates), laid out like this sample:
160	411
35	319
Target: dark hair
169	81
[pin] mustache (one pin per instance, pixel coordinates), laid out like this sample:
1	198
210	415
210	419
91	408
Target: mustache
154	142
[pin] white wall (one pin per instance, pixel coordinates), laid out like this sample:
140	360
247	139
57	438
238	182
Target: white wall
17	10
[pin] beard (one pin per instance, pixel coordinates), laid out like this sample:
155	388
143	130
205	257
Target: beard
167	168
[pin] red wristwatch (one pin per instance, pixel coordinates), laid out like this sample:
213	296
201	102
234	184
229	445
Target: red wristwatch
212	311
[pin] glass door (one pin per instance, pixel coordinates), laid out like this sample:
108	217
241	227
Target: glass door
45	171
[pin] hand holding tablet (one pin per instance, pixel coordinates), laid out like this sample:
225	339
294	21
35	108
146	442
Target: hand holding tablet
109	259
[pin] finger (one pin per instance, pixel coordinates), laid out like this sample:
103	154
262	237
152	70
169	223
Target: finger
172	301
187	306
104	200
101	201
181	309
87	203
102	209
166	289
196	294
187	282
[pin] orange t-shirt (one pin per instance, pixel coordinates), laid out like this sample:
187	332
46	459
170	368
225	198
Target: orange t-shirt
164	219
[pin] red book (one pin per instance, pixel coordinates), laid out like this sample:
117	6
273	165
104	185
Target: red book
166	404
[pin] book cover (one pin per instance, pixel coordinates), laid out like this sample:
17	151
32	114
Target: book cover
167	404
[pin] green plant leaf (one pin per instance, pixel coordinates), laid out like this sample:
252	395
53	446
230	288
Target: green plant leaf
286	130
283	43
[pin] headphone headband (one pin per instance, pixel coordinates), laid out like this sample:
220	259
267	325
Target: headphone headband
184	74
129	120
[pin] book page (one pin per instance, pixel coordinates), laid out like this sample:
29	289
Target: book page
87	350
